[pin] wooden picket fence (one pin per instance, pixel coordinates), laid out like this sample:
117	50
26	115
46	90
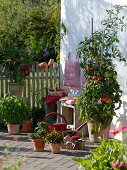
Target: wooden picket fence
35	85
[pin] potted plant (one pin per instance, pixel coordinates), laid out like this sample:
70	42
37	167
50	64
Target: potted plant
38	138
109	155
55	139
101	95
37	114
13	111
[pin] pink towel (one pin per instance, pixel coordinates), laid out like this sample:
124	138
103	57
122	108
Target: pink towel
72	74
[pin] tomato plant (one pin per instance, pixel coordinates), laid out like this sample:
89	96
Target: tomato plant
102	93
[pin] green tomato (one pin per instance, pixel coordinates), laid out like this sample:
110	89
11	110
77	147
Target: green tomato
108	75
109	112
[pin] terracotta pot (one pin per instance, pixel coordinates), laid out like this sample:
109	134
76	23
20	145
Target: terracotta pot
55	148
104	132
38	144
13	129
42	65
27	126
16	89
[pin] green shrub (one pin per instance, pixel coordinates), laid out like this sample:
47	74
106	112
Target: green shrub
13	110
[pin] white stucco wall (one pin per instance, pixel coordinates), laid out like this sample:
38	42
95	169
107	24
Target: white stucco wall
76	16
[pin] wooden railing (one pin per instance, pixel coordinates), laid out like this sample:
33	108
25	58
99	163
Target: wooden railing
35	85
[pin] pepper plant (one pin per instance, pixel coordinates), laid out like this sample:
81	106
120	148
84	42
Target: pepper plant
101	95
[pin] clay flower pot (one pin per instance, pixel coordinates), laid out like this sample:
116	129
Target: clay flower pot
27	126
55	148
42	65
103	132
38	144
13	129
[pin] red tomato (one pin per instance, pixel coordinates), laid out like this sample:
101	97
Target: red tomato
101	99
104	99
100	77
94	77
90	69
113	106
96	82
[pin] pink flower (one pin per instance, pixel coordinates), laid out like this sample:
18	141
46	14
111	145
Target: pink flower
113	132
122	128
122	164
15	138
115	164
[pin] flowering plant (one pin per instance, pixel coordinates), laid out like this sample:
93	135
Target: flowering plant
111	155
16	69
40	131
55	137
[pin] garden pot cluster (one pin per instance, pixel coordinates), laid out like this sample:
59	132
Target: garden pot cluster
42	135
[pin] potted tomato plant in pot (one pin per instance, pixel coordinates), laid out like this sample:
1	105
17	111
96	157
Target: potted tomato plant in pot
55	139
13	111
101	95
38	138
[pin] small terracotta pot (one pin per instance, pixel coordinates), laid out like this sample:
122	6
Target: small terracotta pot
38	144
13	129
55	148
42	65
27	126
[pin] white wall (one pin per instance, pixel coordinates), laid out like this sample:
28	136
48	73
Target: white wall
76	15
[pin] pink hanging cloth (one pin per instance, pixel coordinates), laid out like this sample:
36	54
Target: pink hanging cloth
72	73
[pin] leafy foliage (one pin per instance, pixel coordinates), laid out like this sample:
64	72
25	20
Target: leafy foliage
103	156
101	94
13	110
29	31
40	131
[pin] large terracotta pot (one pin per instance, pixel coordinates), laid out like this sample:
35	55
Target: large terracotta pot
16	89
55	148
38	144
27	126
13	129
103	132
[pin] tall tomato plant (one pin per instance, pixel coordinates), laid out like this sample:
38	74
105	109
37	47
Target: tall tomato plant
101	95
